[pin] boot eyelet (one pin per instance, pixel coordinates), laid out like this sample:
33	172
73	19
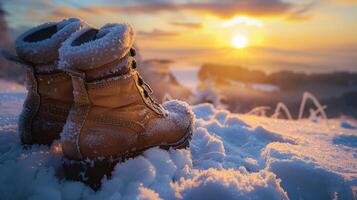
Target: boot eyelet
146	94
133	64
140	81
132	52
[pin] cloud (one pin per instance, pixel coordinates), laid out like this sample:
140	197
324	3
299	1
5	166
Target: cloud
228	9
32	14
156	33
222	9
243	20
65	12
45	5
301	13
225	9
346	2
187	25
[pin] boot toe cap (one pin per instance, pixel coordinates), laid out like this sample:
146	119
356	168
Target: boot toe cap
180	114
172	128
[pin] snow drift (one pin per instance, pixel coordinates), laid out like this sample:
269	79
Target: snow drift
231	157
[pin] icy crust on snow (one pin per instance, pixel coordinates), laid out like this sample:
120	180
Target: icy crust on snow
113	41
231	157
46	51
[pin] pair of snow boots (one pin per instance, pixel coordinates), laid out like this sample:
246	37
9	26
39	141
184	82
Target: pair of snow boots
84	88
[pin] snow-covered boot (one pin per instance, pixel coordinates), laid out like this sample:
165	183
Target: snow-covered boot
49	96
114	116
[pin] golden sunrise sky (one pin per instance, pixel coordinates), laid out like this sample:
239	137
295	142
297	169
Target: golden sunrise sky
301	35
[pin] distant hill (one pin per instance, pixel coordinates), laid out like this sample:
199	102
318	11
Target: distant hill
284	79
337	90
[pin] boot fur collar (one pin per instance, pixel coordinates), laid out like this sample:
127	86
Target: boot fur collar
40	45
91	48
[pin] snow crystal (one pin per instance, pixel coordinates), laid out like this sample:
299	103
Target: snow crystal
231	157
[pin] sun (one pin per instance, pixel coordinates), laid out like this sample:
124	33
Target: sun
240	41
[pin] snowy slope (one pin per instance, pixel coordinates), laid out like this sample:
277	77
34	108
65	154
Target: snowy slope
231	157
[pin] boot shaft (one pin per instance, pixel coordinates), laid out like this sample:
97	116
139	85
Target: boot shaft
55	86
38	47
103	69
50	94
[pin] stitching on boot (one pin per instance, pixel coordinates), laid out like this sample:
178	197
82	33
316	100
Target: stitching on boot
81	98
79	91
83	120
73	127
132	125
56	76
110	82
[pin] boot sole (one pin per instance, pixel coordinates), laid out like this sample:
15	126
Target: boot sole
91	172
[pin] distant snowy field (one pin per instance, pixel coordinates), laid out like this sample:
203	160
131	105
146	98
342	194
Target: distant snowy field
231	157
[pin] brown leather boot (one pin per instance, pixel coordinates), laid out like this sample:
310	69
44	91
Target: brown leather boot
114	116
49	95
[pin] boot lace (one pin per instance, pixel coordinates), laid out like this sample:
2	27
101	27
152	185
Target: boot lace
146	88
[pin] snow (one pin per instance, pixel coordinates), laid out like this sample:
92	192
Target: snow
232	156
187	75
42	51
265	87
112	42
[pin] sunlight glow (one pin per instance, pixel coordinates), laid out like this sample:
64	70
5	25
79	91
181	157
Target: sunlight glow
239	41
57	149
243	20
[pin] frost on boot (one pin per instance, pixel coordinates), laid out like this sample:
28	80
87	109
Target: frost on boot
49	91
114	116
